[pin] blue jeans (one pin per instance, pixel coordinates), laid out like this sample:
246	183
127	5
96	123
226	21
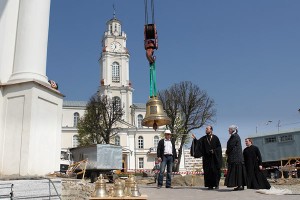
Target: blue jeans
167	160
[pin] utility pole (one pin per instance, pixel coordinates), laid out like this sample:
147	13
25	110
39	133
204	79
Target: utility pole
278	125
265	123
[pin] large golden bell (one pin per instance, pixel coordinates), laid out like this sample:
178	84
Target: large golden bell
155	114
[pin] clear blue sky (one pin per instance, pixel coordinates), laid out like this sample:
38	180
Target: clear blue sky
245	54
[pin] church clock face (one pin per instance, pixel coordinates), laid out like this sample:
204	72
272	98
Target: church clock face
115	46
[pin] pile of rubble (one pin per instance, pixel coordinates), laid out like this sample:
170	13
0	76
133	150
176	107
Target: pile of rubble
75	189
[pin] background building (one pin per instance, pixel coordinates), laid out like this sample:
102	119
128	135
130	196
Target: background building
278	146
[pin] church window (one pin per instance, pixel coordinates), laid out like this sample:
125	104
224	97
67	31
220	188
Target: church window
116	27
76	119
140	142
140	119
117	140
110	28
115	72
141	163
117	101
75	141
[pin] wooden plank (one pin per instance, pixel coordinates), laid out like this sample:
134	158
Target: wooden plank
142	197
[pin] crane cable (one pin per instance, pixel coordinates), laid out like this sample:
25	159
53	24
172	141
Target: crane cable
146	11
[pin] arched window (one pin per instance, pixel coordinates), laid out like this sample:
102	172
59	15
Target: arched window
155	141
117	140
140	119
110	28
76	119
140	142
118	101
75	141
115	72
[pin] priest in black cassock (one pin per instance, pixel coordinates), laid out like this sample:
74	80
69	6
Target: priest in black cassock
211	151
253	164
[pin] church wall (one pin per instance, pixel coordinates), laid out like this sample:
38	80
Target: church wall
123	139
68	116
68	129
137	113
67	137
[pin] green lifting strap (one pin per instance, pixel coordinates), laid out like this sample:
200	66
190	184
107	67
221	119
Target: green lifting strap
152	80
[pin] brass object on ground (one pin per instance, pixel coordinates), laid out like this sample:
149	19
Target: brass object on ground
111	191
100	188
129	183
118	188
135	191
155	114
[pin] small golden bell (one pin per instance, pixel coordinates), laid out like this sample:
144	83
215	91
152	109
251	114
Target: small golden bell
129	183
119	188
100	188
135	190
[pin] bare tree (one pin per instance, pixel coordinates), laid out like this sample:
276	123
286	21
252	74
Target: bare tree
189	108
97	125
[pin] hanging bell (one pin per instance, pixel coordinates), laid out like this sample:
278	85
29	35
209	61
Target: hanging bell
155	114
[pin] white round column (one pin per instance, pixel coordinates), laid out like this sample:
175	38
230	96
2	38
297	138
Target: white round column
31	41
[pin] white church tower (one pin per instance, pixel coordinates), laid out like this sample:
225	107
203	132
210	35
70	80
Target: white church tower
30	110
114	66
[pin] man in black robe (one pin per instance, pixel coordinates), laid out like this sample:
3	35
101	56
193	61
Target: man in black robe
211	151
253	164
236	174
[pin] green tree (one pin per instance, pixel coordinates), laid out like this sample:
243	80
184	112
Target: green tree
189	108
97	125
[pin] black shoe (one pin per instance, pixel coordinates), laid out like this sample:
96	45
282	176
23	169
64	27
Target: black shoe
210	188
239	188
169	187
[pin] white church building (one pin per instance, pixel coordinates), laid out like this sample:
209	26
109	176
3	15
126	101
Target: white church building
139	143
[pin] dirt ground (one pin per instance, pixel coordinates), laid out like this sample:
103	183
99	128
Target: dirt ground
75	187
285	181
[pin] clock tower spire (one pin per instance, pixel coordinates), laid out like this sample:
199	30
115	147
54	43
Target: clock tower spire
114	66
